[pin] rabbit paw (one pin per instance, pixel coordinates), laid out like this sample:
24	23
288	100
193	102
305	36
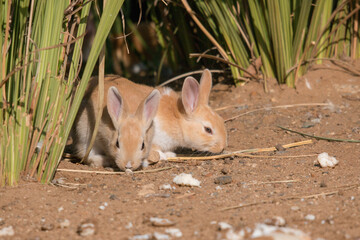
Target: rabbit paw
166	155
97	160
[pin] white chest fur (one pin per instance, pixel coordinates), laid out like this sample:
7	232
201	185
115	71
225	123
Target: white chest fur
162	138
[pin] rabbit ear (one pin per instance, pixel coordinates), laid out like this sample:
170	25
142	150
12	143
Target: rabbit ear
148	108
205	86
115	105
190	94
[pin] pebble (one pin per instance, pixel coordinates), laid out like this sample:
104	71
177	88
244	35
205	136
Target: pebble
225	171
295	208
280	148
64	223
113	197
166	187
141	237
310	217
58	181
174	232
160	236
223	180
47	227
7	231
161	222
60	209
86	229
224	226
129	225
102	207
228	160
276	221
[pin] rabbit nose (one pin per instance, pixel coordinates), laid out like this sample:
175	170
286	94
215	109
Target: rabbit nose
128	165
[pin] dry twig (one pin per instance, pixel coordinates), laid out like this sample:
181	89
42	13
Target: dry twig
239	153
112	173
281	106
188	74
320	138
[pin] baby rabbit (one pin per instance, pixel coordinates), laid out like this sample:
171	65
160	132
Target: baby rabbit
186	120
126	128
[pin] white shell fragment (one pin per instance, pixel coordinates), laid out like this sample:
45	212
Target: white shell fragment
185	179
161	222
327	161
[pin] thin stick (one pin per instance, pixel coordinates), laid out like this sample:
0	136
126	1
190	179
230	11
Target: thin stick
230	106
320	138
239	153
188	74
343	188
281	106
112	173
265	156
203	29
224	61
274	182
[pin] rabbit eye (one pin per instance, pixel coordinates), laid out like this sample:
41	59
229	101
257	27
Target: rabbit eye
117	144
143	146
208	130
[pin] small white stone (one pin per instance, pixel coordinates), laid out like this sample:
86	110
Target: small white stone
106	204
129	225
102	207
160	236
213	222
174	232
7	231
224	226
295	208
86	229
310	217
186	180
352	198
327	161
166	187
218	187
60	209
64	223
141	237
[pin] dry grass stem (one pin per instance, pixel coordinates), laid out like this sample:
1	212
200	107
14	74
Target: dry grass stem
319	137
281	106
239	153
188	74
230	106
323	194
266	156
274	182
112	173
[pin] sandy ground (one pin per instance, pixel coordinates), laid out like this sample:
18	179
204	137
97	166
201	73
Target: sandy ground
321	202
